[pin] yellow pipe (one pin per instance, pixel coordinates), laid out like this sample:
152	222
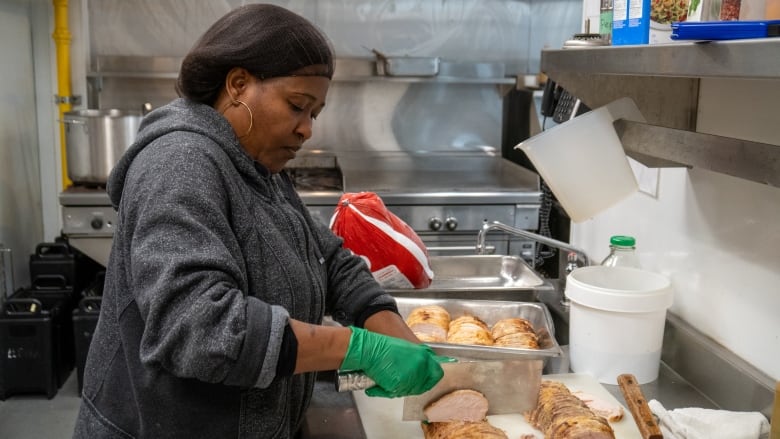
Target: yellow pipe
62	39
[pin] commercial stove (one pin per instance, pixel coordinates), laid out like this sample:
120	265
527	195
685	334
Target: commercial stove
444	196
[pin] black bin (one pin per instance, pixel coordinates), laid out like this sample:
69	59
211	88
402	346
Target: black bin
30	360
53	258
85	319
59	258
51	293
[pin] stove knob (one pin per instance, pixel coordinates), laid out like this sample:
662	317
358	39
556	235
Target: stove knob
96	223
435	223
451	224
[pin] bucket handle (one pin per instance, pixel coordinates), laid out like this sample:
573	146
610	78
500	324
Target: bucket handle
52	249
22	307
49	282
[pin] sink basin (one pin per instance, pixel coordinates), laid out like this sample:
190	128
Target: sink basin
491	277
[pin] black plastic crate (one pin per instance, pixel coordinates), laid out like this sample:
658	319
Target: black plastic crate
53	258
54	286
29	356
85	319
59	258
63	300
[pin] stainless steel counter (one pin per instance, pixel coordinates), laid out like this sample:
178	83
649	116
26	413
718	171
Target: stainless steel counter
334	415
695	372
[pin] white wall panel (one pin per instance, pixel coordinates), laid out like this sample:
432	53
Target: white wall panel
20	181
716	236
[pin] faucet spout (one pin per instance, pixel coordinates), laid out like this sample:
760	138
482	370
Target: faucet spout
487	226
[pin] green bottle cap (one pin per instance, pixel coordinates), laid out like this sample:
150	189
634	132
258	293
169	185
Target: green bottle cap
622	241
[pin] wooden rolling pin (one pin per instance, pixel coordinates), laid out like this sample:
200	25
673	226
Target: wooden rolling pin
637	405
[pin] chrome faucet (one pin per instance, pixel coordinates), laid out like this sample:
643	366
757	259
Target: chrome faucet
495	225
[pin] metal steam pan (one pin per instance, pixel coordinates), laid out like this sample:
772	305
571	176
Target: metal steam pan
491	311
490	277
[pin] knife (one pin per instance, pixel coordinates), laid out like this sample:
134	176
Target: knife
510	386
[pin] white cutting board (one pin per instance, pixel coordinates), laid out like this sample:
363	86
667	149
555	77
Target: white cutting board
381	417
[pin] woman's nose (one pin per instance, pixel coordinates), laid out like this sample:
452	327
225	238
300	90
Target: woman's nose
304	128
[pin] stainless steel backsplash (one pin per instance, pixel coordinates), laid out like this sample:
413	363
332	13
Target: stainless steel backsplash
372	115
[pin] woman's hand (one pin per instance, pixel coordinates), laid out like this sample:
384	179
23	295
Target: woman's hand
398	367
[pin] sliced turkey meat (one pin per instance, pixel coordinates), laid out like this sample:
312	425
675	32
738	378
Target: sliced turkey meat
462	430
561	415
429	323
459	405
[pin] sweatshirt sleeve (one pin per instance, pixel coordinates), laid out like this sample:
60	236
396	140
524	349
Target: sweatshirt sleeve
187	276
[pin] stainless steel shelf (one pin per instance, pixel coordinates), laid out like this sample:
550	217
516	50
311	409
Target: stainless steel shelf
347	70
663	147
754	58
663	80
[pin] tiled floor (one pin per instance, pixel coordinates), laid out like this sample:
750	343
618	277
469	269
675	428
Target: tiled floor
35	417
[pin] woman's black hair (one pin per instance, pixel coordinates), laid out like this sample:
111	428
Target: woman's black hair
267	40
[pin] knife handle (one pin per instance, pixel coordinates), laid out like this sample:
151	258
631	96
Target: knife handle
637	404
353	380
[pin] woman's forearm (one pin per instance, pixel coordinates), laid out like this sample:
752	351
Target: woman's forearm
323	347
319	347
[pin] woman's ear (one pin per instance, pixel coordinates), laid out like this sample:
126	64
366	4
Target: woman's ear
236	82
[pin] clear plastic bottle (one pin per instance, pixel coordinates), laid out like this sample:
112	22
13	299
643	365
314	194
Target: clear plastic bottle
622	252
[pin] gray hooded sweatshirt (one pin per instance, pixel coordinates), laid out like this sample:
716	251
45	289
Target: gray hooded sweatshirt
211	255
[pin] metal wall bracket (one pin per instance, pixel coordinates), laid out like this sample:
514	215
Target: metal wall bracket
657	146
72	100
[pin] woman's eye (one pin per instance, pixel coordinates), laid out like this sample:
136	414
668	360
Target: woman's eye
296	108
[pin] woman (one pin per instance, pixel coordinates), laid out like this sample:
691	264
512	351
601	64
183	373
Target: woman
218	277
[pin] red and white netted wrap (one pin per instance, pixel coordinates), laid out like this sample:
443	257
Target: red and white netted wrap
395	254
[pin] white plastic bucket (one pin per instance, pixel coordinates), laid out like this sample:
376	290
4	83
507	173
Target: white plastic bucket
616	321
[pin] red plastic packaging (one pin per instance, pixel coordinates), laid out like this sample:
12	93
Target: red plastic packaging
395	254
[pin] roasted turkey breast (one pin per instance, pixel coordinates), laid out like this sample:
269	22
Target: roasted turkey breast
462	430
511	326
561	415
460	414
433	324
429	323
515	333
459	405
469	330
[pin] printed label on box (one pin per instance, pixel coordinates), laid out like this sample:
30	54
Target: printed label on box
631	22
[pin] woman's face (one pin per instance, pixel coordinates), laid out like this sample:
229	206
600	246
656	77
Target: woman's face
283	113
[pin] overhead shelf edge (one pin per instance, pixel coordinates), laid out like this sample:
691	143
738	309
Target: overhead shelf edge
750	59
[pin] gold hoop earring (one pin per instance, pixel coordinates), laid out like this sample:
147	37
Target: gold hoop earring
251	116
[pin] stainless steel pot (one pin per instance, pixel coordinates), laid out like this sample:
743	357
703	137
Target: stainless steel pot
94	141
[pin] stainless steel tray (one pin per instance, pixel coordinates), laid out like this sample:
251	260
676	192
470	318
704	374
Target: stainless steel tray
491	311
491	277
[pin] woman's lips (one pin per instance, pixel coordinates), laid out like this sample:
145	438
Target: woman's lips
292	150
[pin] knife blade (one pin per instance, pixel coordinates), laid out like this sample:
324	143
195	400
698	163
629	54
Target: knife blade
510	386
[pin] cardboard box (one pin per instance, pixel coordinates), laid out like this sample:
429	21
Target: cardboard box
663	13
630	22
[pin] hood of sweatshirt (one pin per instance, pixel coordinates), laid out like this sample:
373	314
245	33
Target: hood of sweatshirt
183	115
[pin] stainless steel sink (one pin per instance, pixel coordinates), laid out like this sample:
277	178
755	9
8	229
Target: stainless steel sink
490	277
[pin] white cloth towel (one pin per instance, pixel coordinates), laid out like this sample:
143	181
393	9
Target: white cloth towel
698	423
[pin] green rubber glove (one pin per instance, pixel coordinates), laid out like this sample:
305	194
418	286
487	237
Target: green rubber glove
399	367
